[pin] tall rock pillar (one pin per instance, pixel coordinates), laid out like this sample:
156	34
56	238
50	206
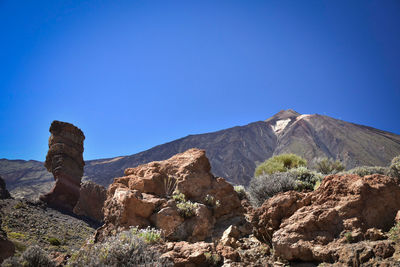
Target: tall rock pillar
65	160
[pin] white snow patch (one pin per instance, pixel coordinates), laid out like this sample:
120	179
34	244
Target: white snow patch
280	125
304	116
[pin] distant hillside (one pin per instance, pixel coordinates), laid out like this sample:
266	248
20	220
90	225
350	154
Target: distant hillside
235	152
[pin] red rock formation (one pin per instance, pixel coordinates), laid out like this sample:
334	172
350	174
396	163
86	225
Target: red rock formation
91	201
64	159
320	226
143	198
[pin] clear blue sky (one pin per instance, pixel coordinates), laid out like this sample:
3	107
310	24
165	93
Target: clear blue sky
135	74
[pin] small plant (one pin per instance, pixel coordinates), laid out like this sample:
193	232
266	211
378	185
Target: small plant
328	166
267	185
149	235
394	232
394	168
349	237
367	170
19	205
34	256
187	209
128	248
280	163
213	259
210	201
305	178
15	235
169	185
239	189
54	241
178	196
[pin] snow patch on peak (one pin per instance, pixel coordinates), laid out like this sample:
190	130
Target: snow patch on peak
280	125
304	116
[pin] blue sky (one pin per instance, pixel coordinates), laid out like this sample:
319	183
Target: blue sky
135	74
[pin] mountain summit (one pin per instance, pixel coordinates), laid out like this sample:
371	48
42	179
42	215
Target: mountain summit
235	152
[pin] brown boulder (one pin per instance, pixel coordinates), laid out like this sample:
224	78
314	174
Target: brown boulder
185	254
91	201
144	197
64	159
317	226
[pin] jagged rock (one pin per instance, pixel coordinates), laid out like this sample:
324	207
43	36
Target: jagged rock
318	226
65	160
7	248
91	201
268	218
3	190
143	198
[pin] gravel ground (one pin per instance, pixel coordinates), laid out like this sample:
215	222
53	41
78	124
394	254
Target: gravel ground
32	223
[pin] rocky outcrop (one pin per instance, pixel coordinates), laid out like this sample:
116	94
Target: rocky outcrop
3	190
7	248
65	160
91	201
145	197
325	225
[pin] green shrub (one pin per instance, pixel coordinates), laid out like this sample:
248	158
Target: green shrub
394	232
15	235
186	209
178	196
367	170
128	248
265	186
34	256
394	169
280	163
19	205
149	235
328	166
213	259
349	237
54	241
210	201
240	191
305	178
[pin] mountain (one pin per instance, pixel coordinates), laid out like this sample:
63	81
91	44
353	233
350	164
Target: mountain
235	152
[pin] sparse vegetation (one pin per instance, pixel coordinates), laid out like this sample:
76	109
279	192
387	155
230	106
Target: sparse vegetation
280	163
178	196
213	259
210	201
349	237
328	166
15	235
394	168
240	191
34	256
187	209
265	186
128	248
306	179
169	185
367	170
394	232
19	205
54	241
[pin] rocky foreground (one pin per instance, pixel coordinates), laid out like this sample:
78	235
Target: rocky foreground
202	221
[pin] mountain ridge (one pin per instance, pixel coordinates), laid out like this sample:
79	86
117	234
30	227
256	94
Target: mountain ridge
234	152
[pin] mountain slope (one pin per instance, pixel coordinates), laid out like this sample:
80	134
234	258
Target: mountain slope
235	152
